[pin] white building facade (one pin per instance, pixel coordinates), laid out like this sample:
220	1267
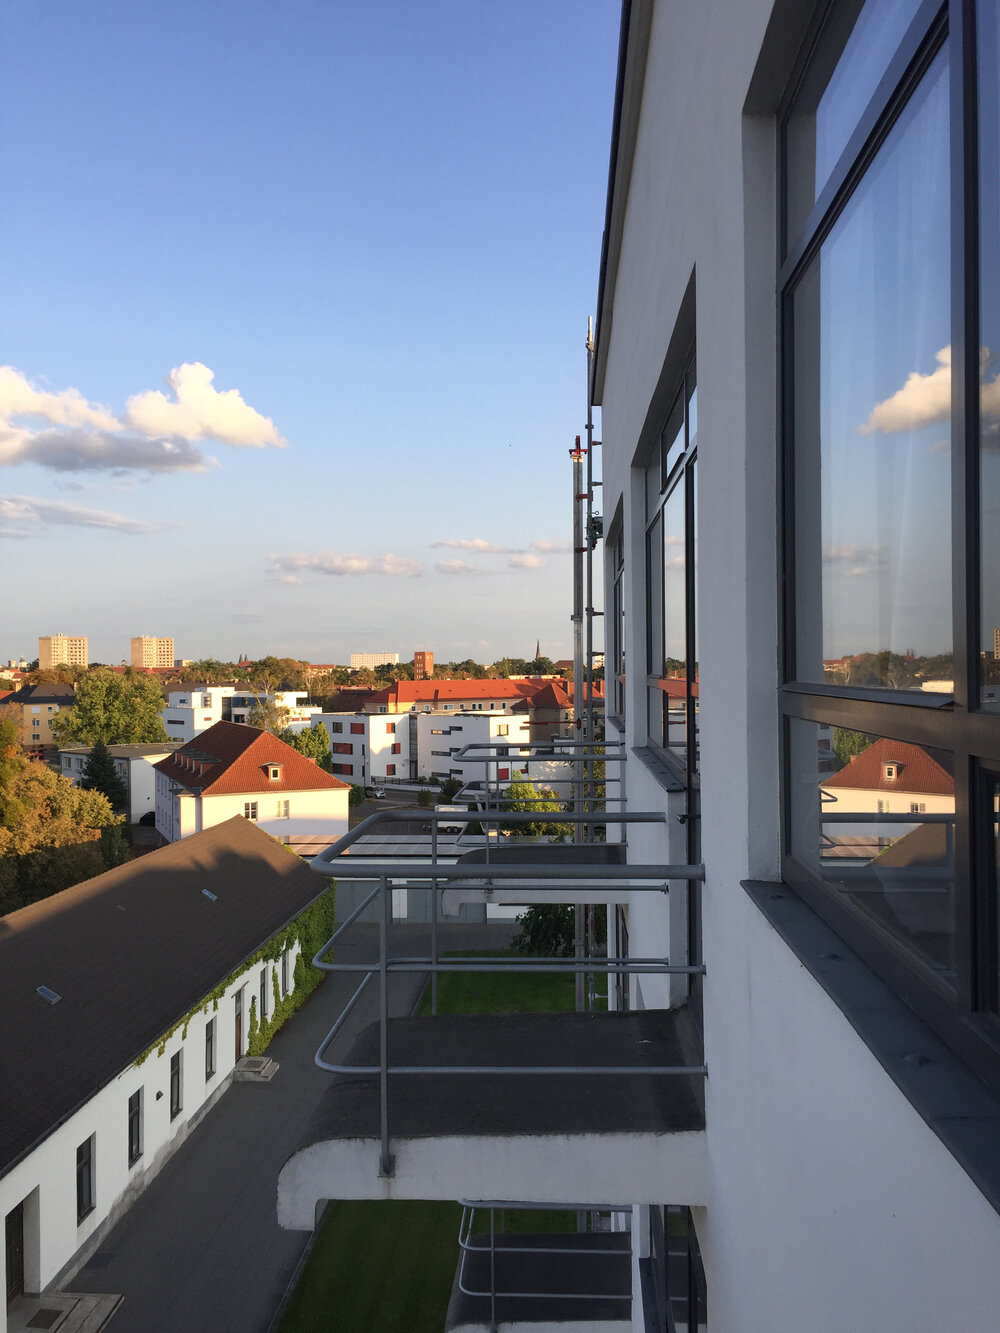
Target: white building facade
367	748
133	764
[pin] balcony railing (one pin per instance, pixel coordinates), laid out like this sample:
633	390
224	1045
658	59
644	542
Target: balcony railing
563	880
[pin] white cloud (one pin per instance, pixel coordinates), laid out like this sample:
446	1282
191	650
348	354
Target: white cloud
472	544
64	432
79	450
24	515
526	561
553	548
289	567
199	411
19	398
854	560
456	567
925	399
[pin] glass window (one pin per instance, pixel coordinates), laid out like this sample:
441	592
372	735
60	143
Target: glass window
85	1179
870	321
892	412
176	1090
135	1127
250	810
855	46
262	995
671	668
879	834
209	1049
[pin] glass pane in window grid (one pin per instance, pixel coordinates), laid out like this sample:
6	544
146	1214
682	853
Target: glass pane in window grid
672	439
988	37
856	831
872	403
654	598
675	621
856	45
993	805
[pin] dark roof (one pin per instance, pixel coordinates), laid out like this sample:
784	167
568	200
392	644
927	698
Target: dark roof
130	953
232	757
42	694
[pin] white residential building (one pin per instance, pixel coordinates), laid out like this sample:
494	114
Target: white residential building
134	765
798	422
367	748
85	1124
191	709
233	769
440	737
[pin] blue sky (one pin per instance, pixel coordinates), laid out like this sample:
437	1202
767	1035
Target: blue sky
319	274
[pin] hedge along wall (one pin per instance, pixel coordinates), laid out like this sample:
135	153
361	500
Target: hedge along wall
310	929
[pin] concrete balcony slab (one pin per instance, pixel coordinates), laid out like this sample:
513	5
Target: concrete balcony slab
637	1135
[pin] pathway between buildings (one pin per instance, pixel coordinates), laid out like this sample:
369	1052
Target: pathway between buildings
200	1250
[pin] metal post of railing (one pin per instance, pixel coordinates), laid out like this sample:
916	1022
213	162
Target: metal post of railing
493	1276
386	1164
434	921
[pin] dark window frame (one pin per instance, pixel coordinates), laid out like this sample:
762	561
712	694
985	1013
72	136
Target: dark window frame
135	1127
210	1067
176	1084
968	1021
86	1194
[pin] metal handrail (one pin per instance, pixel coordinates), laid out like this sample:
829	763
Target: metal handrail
464	1241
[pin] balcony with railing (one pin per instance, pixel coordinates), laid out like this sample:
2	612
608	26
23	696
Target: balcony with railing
496	1106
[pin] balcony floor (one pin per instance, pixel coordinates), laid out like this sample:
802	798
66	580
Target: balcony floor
598	1279
511	1135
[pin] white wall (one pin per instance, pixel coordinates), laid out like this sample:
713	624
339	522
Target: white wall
831	1205
372	744
321	811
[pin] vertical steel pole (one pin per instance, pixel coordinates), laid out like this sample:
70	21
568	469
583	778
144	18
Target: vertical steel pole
434	921
579	548
386	1164
493	1276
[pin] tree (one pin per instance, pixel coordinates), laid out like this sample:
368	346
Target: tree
100	774
268	715
356	795
523	798
313	742
846	744
546	931
425	798
449	790
119	709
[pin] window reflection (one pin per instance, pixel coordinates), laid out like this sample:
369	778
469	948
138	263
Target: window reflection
988	36
873	820
855	46
872	402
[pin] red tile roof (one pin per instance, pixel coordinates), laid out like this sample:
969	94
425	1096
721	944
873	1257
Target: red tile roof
917	771
231	758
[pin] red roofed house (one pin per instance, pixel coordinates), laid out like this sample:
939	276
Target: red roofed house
234	769
891	777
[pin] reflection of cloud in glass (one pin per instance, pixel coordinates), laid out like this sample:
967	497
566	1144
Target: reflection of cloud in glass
924	399
854	560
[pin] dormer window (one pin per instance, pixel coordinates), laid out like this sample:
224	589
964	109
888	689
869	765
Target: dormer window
890	770
274	772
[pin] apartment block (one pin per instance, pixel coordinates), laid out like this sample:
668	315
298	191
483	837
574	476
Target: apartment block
372	660
152	652
62	650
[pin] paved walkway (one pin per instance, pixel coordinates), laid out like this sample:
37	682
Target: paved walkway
200	1250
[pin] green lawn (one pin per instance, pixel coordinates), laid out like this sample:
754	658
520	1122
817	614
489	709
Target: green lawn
501	992
378	1267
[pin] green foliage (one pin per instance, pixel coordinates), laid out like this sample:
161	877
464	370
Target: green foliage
846	744
450	788
523	798
355	796
425	799
313	742
546	931
277	673
268	715
312	928
119	709
100	774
